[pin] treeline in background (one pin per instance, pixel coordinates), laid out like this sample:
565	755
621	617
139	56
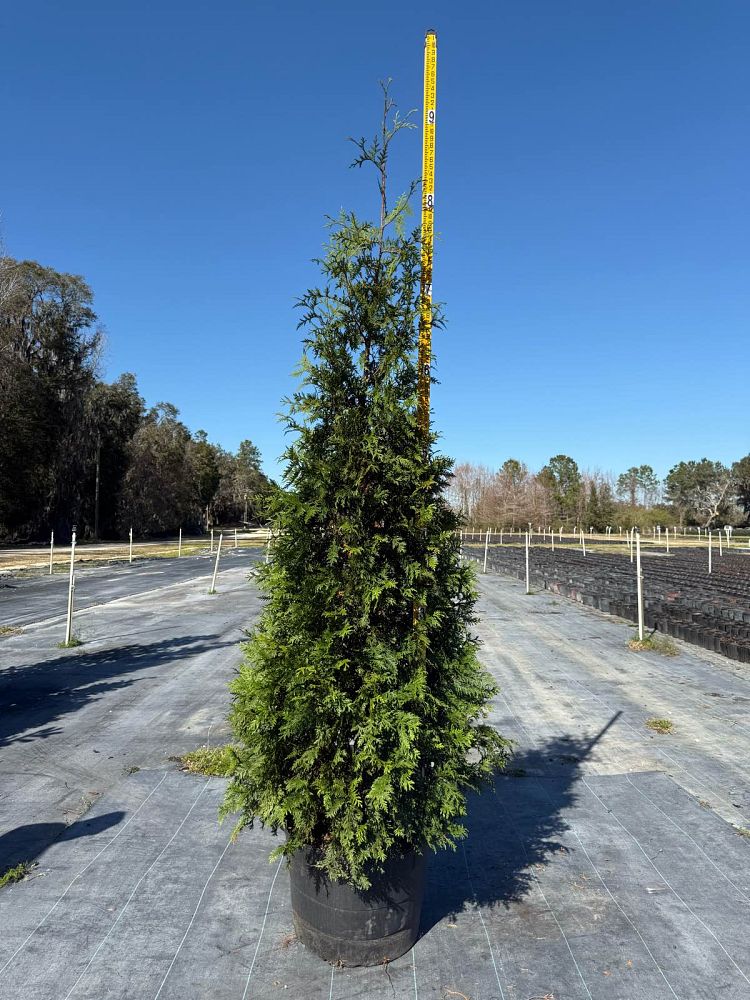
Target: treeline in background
699	493
77	450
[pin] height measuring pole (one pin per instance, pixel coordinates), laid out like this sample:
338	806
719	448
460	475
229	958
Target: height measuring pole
426	245
428	233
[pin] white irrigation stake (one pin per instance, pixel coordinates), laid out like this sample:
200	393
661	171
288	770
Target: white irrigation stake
179	545
486	546
71	588
729	535
51	550
552	536
583	541
640	584
235	538
721	550
216	566
130	535
528	588
710	569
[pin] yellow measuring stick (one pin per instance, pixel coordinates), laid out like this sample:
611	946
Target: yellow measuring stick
428	216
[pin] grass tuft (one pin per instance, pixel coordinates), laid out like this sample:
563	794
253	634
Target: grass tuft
655	643
70	645
16	874
212	761
10	629
660	725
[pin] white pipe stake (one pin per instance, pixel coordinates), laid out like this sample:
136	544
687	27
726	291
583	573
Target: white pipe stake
51	550
216	566
179	545
235	538
212	541
640	584
710	568
486	546
528	588
130	557
71	587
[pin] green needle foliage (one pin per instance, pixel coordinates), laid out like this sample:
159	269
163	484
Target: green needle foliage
358	708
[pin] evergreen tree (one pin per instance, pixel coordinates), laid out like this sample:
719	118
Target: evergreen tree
593	518
358	706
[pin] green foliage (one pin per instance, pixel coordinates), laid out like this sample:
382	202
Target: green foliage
214	761
513	472
73	644
15	874
359	723
638	485
662	726
703	490
654	643
159	493
48	353
62	428
600	507
562	478
741	473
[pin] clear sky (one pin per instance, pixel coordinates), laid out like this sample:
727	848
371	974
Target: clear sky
592	200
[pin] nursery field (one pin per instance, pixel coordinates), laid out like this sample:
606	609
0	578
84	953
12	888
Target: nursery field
36	558
681	598
609	861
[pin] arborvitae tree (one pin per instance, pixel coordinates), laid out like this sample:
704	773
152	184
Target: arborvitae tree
358	706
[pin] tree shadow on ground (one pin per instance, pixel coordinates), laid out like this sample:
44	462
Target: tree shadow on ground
514	825
35	695
27	843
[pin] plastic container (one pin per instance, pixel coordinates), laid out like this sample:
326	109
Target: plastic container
351	926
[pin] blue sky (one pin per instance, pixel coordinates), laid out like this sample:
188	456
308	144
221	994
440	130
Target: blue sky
592	201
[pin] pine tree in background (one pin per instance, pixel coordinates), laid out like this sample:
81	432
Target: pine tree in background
359	722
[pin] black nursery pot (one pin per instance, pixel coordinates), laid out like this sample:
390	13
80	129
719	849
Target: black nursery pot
358	927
